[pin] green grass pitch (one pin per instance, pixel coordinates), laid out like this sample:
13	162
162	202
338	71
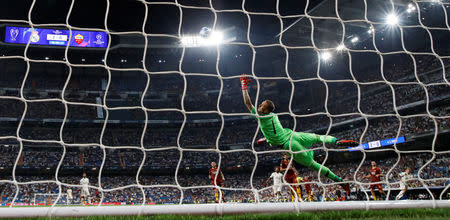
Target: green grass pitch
410	214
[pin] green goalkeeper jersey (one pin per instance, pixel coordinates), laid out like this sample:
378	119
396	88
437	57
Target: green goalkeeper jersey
272	129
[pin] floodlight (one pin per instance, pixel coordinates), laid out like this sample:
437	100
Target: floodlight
392	19
340	47
216	37
326	56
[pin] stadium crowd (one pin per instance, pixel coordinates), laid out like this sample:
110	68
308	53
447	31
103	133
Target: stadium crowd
164	189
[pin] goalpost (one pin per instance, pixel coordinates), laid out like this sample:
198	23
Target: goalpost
257	206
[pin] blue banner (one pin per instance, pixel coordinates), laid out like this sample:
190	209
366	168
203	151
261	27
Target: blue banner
52	37
379	143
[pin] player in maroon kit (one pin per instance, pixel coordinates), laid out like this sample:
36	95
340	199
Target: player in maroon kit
308	187
291	176
375	176
217	178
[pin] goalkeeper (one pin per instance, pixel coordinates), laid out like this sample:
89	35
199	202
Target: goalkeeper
276	135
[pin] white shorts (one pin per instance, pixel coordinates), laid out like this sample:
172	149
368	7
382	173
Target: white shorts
85	191
403	186
69	197
276	188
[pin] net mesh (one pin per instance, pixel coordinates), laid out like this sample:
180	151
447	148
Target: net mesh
310	24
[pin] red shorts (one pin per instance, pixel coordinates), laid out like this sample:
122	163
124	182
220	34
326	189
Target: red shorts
290	178
218	183
379	186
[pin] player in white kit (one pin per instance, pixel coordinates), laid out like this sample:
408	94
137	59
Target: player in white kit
404	177
277	177
84	182
69	196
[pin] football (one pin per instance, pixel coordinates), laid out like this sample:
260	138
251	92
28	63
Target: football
205	32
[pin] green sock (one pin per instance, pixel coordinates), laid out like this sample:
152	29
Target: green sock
325	172
327	139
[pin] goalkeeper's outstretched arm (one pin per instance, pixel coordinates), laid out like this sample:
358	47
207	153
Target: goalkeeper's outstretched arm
247	101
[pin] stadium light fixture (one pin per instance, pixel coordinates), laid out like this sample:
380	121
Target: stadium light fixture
326	56
392	19
215	38
371	30
340	47
354	39
185	40
411	8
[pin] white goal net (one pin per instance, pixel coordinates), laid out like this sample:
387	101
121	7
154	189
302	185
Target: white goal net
141	97
50	198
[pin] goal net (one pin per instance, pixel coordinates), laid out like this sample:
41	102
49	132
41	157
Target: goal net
140	97
47	199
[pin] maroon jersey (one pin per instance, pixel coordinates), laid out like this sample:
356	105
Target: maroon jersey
284	164
213	172
373	172
308	185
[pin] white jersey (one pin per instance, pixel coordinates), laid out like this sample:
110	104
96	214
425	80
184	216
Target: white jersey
276	178
404	177
69	193
84	182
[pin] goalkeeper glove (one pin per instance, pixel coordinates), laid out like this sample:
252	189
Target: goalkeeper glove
347	143
244	80
261	141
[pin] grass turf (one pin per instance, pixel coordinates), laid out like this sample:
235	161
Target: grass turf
410	214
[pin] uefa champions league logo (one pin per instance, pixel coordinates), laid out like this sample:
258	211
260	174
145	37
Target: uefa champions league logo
14	33
99	39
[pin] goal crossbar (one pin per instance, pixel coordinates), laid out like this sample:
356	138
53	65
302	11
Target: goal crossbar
217	209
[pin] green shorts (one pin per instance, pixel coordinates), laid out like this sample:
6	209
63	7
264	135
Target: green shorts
302	142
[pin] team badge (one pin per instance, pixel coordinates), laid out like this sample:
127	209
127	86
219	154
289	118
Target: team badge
34	36
79	38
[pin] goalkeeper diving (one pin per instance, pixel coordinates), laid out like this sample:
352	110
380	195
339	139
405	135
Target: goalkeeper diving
276	135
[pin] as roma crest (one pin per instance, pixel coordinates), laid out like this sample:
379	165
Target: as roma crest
79	38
